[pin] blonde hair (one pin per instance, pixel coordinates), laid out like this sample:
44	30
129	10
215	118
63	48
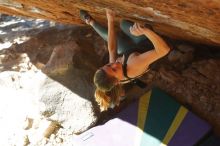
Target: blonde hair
106	98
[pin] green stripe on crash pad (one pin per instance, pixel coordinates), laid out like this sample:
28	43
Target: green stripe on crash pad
161	113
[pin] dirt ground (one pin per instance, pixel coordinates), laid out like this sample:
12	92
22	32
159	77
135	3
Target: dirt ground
190	72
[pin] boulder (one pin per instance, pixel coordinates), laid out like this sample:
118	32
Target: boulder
72	109
196	21
66	97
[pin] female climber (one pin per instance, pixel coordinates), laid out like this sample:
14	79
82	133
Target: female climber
126	59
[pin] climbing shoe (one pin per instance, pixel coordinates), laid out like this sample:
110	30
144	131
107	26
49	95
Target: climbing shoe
84	15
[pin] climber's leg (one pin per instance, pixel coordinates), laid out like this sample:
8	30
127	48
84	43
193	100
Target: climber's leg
142	40
125	27
123	42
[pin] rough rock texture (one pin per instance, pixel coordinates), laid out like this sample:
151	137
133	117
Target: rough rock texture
43	104
192	20
15	99
68	98
73	111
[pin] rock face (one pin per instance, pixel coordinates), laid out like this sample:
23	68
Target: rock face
73	111
34	105
196	21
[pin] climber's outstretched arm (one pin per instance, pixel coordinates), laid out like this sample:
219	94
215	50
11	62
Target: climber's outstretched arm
112	42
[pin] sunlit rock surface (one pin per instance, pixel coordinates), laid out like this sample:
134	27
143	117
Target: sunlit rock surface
15	30
73	111
196	21
33	105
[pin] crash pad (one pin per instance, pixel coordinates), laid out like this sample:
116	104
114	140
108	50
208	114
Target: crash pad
156	119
